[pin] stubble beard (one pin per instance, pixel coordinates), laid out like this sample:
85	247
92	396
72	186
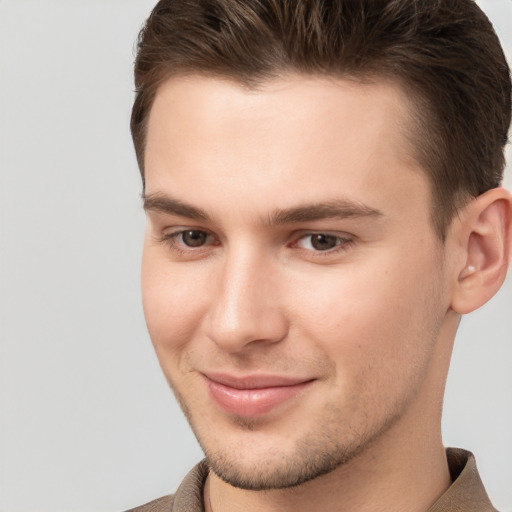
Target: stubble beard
318	452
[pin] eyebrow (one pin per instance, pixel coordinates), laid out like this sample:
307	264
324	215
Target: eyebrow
334	209
171	206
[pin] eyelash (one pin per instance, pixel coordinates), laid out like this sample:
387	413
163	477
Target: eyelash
170	240
342	243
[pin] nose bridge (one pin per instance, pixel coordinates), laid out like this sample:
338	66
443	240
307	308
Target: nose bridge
245	306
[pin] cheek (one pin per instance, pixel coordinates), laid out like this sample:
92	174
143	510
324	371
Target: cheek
377	322
173	300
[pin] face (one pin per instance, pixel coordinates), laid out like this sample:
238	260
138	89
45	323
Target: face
293	285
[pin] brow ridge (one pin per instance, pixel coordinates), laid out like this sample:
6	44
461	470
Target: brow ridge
165	204
333	209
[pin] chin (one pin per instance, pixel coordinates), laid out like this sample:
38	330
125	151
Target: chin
252	466
277	475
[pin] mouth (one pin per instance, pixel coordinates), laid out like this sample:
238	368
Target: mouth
254	395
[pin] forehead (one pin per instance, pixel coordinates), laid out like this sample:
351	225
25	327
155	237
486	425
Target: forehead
337	106
293	139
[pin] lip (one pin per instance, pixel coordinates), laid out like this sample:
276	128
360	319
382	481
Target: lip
253	395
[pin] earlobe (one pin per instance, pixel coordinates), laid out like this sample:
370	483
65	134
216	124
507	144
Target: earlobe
485	232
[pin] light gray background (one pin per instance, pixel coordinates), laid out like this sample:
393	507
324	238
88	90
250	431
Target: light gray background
86	420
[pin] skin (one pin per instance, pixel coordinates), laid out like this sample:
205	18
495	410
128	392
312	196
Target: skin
368	324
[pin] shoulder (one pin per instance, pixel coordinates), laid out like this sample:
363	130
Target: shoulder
188	497
467	492
163	504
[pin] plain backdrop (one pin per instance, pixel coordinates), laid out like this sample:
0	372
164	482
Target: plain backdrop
87	423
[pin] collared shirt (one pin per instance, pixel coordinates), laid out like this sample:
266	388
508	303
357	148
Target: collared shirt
466	494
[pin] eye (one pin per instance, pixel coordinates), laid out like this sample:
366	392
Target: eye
321	242
193	237
188	241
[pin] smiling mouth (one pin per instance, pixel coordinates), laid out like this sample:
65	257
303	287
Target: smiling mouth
253	396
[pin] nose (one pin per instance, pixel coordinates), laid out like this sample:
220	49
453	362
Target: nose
245	310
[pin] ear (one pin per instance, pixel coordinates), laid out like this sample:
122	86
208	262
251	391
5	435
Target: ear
484	240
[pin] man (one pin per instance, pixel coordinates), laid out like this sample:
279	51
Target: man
322	189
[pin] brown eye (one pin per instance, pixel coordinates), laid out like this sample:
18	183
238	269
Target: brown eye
323	242
194	238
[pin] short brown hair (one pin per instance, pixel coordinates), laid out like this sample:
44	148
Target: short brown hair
444	52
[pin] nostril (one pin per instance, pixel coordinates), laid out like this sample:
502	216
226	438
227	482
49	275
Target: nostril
234	333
